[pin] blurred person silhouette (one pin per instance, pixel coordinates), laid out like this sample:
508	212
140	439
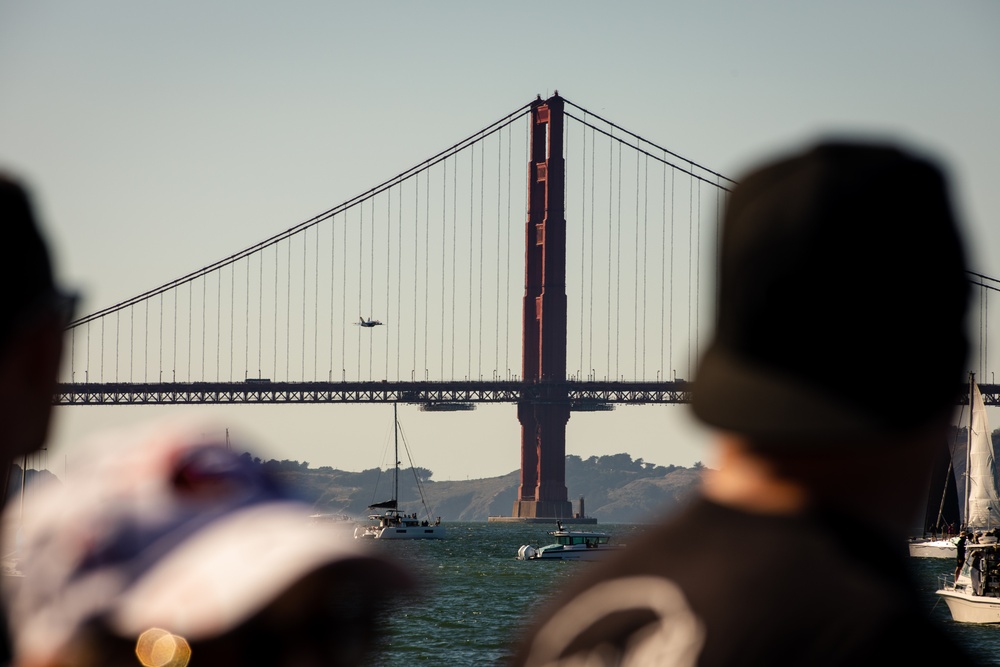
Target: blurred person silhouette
167	548
33	315
837	359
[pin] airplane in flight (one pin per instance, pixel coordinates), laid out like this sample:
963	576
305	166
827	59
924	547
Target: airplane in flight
369	323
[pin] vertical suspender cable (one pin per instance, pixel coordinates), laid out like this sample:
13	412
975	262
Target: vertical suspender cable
618	270
593	223
118	316
482	222
427	265
315	375
305	295
274	357
232	317
218	326
697	281
611	238
454	261
690	267
472	216
343	302
416	271
645	237
190	320
204	322
507	245
670	299
246	327
160	340
399	278
288	311
361	281
663	268
333	287
583	238
173	361
635	284
371	288
496	315
388	281
260	313
444	251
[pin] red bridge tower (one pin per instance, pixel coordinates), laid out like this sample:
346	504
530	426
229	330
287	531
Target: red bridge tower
542	492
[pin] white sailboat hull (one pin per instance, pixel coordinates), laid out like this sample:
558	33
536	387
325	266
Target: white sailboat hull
401	532
933	549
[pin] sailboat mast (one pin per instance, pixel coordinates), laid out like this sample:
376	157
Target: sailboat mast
395	477
968	448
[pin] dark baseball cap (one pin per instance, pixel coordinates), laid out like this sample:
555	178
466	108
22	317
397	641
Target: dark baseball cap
842	299
25	269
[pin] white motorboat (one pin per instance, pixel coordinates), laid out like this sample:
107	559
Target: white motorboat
386	522
571	545
974	597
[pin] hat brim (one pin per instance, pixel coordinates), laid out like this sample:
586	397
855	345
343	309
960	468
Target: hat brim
234	567
770	407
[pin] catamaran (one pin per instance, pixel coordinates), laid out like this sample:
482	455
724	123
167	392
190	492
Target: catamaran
387	522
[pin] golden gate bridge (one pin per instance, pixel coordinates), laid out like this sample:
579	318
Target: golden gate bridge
577	288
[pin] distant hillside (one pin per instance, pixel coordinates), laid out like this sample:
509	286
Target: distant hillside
615	489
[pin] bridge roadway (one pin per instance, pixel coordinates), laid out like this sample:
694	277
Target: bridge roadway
453	395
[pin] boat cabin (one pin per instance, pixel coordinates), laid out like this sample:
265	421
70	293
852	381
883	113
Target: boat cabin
591	540
982	568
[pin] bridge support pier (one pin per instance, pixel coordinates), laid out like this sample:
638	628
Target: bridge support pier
542	492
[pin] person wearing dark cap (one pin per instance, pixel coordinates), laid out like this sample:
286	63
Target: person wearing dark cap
33	315
837	359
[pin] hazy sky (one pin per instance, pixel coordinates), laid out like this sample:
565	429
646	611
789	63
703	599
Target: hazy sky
159	137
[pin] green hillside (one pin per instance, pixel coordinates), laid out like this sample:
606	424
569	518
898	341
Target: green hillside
616	489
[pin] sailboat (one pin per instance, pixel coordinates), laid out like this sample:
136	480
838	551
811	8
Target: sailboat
974	595
976	476
387	522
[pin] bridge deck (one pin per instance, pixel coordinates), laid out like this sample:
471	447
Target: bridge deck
584	395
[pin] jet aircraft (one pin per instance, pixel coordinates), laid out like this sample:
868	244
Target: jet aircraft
369	323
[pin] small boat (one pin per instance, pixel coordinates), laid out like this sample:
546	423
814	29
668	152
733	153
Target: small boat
571	545
387	522
974	597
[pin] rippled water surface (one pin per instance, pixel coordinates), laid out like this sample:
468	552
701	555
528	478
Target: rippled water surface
479	595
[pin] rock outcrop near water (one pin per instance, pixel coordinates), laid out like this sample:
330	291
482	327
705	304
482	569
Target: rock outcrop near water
616	489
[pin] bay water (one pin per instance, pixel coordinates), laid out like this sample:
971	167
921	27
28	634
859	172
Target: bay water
478	596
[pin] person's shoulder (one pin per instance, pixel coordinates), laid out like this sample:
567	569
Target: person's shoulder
645	616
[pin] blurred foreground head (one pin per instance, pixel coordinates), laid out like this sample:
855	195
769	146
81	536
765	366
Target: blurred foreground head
167	547
33	313
842	300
